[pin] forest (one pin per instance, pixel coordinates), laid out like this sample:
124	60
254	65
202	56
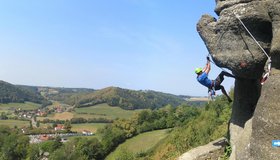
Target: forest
12	93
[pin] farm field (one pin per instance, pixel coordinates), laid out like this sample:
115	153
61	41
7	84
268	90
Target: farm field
140	143
203	99
59	116
56	104
97	111
13	123
25	106
106	111
87	126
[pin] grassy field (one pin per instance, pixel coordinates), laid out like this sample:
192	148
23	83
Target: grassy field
63	116
13	123
87	126
106	111
140	143
97	111
59	116
25	106
203	99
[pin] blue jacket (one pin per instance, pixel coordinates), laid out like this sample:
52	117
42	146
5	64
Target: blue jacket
204	80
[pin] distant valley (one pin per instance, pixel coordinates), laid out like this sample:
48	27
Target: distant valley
101	120
83	97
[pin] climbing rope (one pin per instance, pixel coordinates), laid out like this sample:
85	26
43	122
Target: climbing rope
266	75
251	35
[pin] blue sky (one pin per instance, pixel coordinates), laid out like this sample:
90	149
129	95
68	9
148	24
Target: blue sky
135	44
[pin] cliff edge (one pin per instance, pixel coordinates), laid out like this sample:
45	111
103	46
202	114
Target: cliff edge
255	116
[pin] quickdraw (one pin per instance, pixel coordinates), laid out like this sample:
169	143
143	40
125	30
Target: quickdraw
266	75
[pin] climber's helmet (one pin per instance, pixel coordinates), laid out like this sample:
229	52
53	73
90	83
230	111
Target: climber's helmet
198	70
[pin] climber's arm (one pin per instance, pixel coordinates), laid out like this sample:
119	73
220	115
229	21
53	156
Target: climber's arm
207	68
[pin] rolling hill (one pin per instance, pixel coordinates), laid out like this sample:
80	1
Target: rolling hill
62	94
82	97
126	99
11	93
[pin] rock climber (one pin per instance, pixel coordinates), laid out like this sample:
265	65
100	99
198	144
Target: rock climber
212	85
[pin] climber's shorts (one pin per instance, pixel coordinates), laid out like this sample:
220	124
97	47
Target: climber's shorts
217	82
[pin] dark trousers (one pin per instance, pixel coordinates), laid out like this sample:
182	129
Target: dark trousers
220	79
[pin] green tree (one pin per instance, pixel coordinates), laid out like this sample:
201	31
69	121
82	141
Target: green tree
37	124
111	137
15	147
33	152
3	116
68	151
50	146
91	148
67	126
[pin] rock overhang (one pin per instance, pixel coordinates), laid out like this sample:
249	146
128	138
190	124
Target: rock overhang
230	45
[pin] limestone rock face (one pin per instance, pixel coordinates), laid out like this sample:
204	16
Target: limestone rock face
255	120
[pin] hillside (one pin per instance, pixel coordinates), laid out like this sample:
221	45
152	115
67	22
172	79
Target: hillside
83	97
61	94
12	93
126	99
142	143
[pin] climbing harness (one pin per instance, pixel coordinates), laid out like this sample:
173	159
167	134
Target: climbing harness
212	91
266	75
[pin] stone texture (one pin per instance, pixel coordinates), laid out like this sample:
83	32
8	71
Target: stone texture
246	94
230	45
211	151
266	121
255	118
243	143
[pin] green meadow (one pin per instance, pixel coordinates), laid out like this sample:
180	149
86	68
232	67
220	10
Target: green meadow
98	111
139	144
87	126
104	110
24	106
13	123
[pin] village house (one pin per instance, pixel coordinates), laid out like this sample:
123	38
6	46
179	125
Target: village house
45	137
41	113
59	127
87	133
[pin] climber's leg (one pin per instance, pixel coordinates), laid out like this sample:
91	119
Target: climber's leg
225	93
220	78
224	73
